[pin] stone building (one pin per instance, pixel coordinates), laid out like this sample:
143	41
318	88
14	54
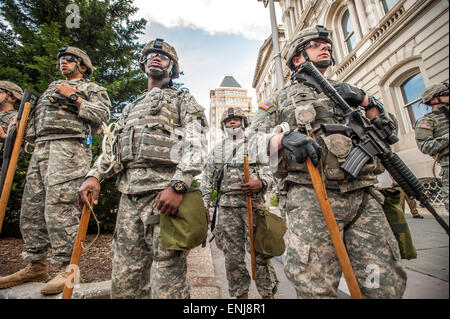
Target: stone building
392	49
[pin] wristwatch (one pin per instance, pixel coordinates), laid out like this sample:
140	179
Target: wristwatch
73	98
179	186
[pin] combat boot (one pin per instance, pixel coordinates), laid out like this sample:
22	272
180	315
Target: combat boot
35	271
243	296
56	285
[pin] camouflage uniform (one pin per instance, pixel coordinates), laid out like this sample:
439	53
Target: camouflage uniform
147	133
311	264
231	231
432	138
50	211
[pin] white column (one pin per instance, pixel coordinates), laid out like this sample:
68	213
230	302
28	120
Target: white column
362	17
354	18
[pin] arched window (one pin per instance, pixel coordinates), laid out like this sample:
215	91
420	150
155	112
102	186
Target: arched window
347	28
412	90
388	4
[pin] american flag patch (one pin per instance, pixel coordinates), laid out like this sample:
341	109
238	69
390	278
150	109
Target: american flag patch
426	126
266	105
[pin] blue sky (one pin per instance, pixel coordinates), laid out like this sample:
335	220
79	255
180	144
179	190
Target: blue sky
212	38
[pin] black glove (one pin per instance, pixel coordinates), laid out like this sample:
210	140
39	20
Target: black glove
302	146
351	94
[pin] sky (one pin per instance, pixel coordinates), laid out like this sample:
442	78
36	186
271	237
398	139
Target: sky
213	38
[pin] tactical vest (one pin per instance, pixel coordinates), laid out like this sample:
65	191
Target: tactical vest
150	130
54	120
299	99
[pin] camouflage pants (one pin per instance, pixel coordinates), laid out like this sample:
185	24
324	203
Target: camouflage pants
141	267
231	235
444	175
50	213
311	264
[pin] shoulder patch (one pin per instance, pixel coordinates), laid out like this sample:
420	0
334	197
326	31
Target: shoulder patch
426	126
266	105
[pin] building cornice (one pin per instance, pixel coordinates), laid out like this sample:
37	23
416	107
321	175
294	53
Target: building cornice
387	29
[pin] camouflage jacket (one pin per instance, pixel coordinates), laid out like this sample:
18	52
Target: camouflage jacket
291	108
158	138
223	157
50	122
432	136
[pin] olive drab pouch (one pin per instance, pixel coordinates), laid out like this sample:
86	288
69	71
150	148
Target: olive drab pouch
269	232
189	227
126	145
336	148
396	218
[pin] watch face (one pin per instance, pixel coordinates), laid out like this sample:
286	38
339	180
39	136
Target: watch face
73	98
179	187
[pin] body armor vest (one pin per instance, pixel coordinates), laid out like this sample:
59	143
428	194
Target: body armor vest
299	99
150	130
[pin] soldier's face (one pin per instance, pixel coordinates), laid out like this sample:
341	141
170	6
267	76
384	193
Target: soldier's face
233	122
4	95
157	60
67	64
317	50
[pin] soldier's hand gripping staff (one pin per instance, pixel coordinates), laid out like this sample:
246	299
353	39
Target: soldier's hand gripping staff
61	158
156	148
311	263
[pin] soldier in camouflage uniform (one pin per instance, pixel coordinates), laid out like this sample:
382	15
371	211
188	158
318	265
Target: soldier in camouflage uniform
231	232
159	139
311	264
432	131
10	95
61	158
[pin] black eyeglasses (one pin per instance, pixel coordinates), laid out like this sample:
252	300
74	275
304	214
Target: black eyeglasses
68	58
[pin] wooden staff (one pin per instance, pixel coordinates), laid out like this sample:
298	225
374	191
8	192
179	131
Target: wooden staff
333	229
248	199
77	249
13	161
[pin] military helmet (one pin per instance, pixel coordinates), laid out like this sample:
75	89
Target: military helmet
13	88
298	43
158	45
430	91
233	112
80	54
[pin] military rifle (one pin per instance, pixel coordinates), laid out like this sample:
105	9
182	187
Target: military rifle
371	138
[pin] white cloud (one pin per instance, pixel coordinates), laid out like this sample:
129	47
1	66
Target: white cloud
248	18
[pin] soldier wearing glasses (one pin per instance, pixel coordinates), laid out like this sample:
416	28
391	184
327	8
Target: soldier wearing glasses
68	114
160	139
311	264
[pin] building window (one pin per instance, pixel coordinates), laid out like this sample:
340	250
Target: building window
412	90
347	28
388	4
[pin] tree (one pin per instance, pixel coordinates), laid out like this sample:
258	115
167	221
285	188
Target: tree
31	34
34	30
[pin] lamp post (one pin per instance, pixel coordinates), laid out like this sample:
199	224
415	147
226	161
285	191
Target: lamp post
275	43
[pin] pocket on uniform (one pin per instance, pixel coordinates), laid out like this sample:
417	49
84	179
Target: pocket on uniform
64	192
297	251
155	144
336	149
126	145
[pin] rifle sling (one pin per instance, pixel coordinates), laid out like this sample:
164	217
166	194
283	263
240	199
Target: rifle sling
219	184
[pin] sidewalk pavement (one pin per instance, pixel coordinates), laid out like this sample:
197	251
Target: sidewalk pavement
427	275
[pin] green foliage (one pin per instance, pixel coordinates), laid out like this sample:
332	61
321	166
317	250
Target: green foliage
31	34
273	201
